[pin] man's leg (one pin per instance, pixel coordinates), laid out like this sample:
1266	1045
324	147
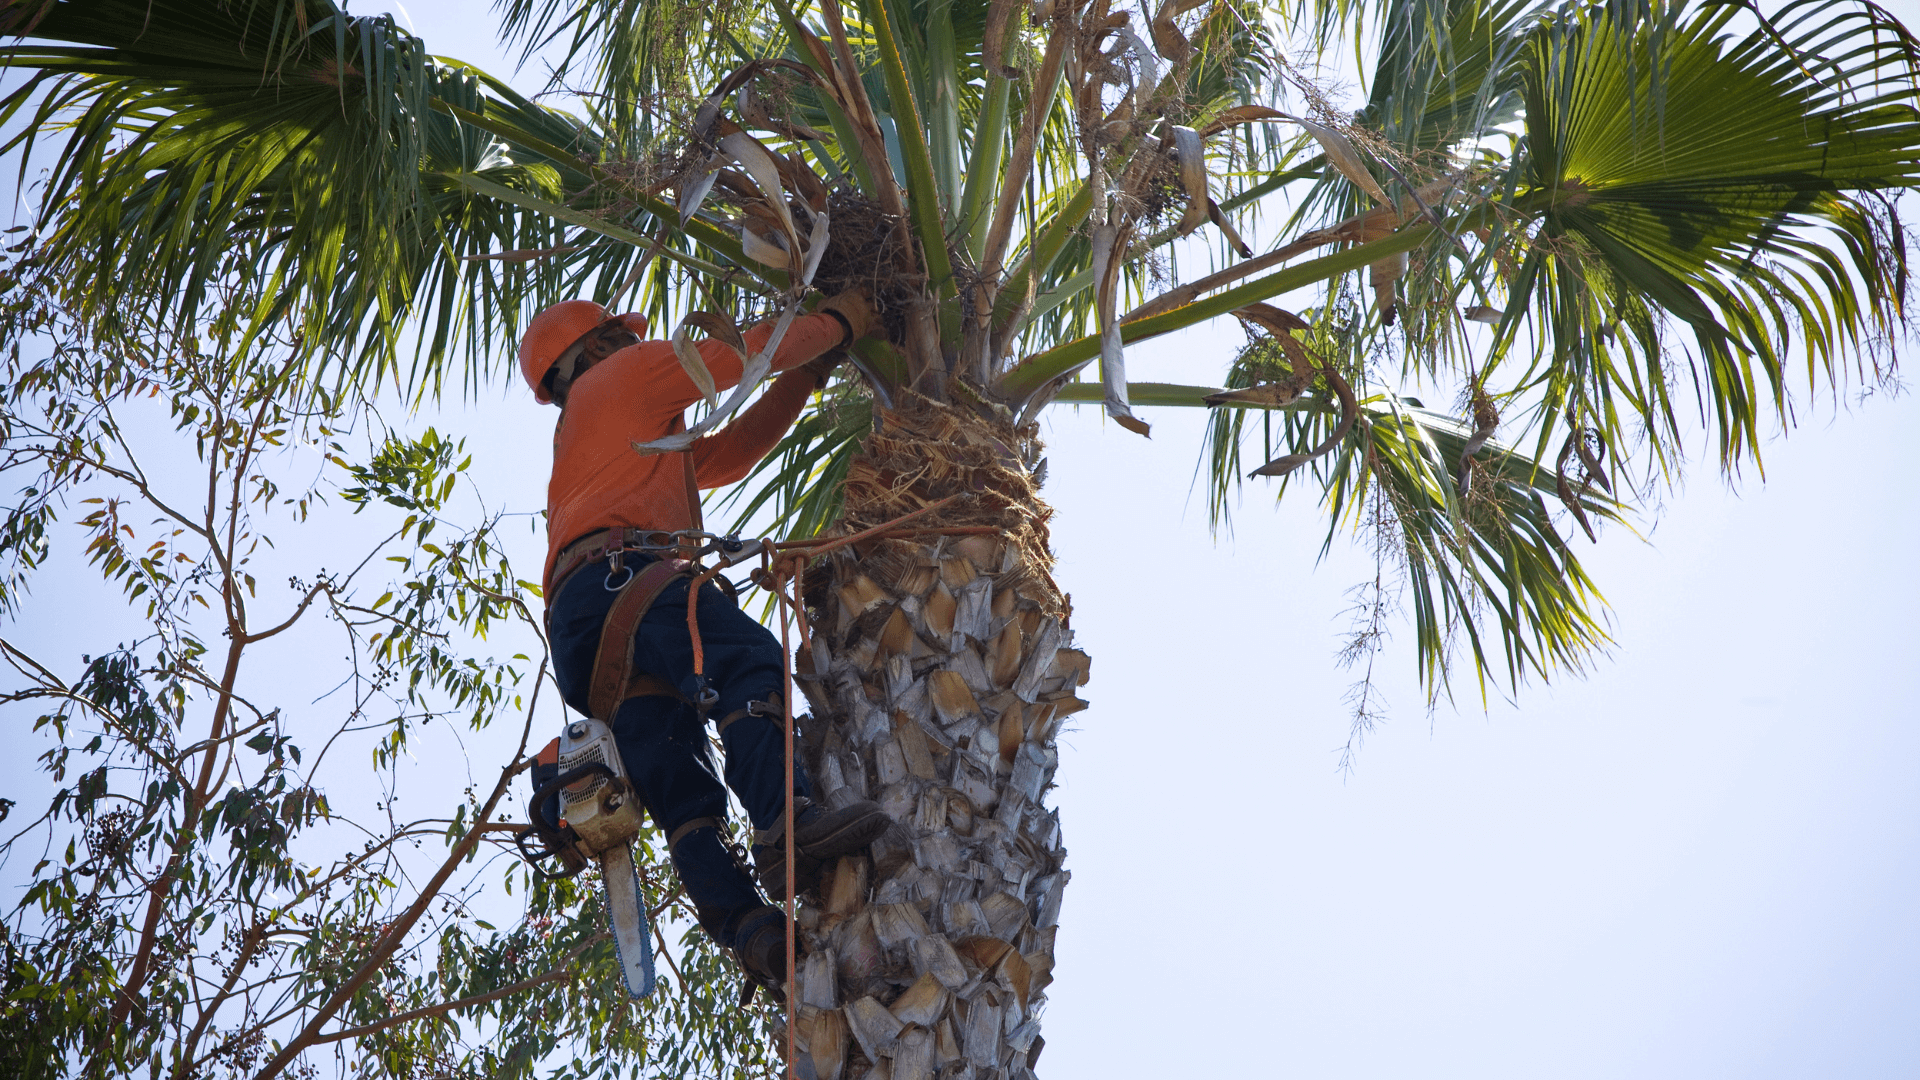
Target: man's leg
663	747
745	668
745	665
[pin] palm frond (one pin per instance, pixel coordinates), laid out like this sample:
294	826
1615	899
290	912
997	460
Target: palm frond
1481	563
795	491
1755	226
288	144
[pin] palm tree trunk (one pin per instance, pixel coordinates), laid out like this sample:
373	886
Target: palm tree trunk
942	666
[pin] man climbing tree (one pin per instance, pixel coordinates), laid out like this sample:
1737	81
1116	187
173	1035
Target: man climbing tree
617	599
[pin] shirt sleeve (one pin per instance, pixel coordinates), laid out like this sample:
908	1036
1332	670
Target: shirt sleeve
671	390
727	455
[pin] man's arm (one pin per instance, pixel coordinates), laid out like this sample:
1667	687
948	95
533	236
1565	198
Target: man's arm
669	390
727	455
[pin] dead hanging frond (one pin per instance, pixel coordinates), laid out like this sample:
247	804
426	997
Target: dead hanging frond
1304	369
1486	420
1108	240
783	223
1591	448
1349	415
1282	389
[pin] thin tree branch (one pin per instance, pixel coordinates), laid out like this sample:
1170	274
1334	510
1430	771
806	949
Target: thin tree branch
59	689
299	610
561	971
249	942
197	797
397	931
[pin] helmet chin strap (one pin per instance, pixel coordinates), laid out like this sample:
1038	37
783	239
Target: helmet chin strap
582	355
563	370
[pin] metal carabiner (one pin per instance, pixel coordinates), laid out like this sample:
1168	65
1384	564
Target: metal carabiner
734	551
616	562
657	540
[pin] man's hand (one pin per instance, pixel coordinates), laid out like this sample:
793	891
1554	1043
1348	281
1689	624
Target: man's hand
855	308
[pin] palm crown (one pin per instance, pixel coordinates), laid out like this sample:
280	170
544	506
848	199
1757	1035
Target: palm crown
1007	178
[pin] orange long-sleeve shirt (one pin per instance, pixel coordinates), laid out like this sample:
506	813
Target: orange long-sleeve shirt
639	394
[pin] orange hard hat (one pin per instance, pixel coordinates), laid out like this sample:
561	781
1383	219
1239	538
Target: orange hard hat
553	332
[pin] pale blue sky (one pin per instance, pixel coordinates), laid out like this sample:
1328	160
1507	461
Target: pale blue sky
1699	861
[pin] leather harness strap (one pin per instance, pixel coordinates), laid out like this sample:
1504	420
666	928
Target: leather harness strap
645	685
599	544
774	706
613	663
680	833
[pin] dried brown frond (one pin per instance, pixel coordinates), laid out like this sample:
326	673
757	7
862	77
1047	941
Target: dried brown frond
872	250
927	451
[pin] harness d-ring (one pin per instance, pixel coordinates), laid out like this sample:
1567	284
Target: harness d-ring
611	587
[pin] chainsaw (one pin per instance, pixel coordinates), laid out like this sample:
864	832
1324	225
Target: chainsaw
583	811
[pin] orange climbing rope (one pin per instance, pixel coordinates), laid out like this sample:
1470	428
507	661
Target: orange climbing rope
786	726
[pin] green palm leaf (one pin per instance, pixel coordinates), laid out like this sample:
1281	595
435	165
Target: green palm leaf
290	145
1756	226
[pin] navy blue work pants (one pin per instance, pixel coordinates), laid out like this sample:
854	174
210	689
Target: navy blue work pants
663	743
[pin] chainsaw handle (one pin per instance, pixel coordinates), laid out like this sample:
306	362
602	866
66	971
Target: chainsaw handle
554	838
538	859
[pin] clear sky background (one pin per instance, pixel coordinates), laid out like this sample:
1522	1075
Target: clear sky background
1699	861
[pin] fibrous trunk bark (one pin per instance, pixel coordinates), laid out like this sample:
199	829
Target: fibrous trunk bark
939	674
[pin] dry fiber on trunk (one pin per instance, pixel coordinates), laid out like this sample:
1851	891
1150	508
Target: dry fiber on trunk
943	671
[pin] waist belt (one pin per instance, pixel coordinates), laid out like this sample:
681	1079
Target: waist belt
614	679
601	543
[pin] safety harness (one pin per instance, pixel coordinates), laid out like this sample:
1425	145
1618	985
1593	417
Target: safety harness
671	556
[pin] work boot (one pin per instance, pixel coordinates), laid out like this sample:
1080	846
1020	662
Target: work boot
819	836
760	945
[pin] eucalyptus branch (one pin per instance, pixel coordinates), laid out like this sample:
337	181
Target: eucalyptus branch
557	973
396	932
137	478
61	691
250	942
183	839
236	603
299	610
226	739
355	862
395	621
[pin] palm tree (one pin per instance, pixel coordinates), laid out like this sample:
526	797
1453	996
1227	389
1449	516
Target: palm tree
1637	200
